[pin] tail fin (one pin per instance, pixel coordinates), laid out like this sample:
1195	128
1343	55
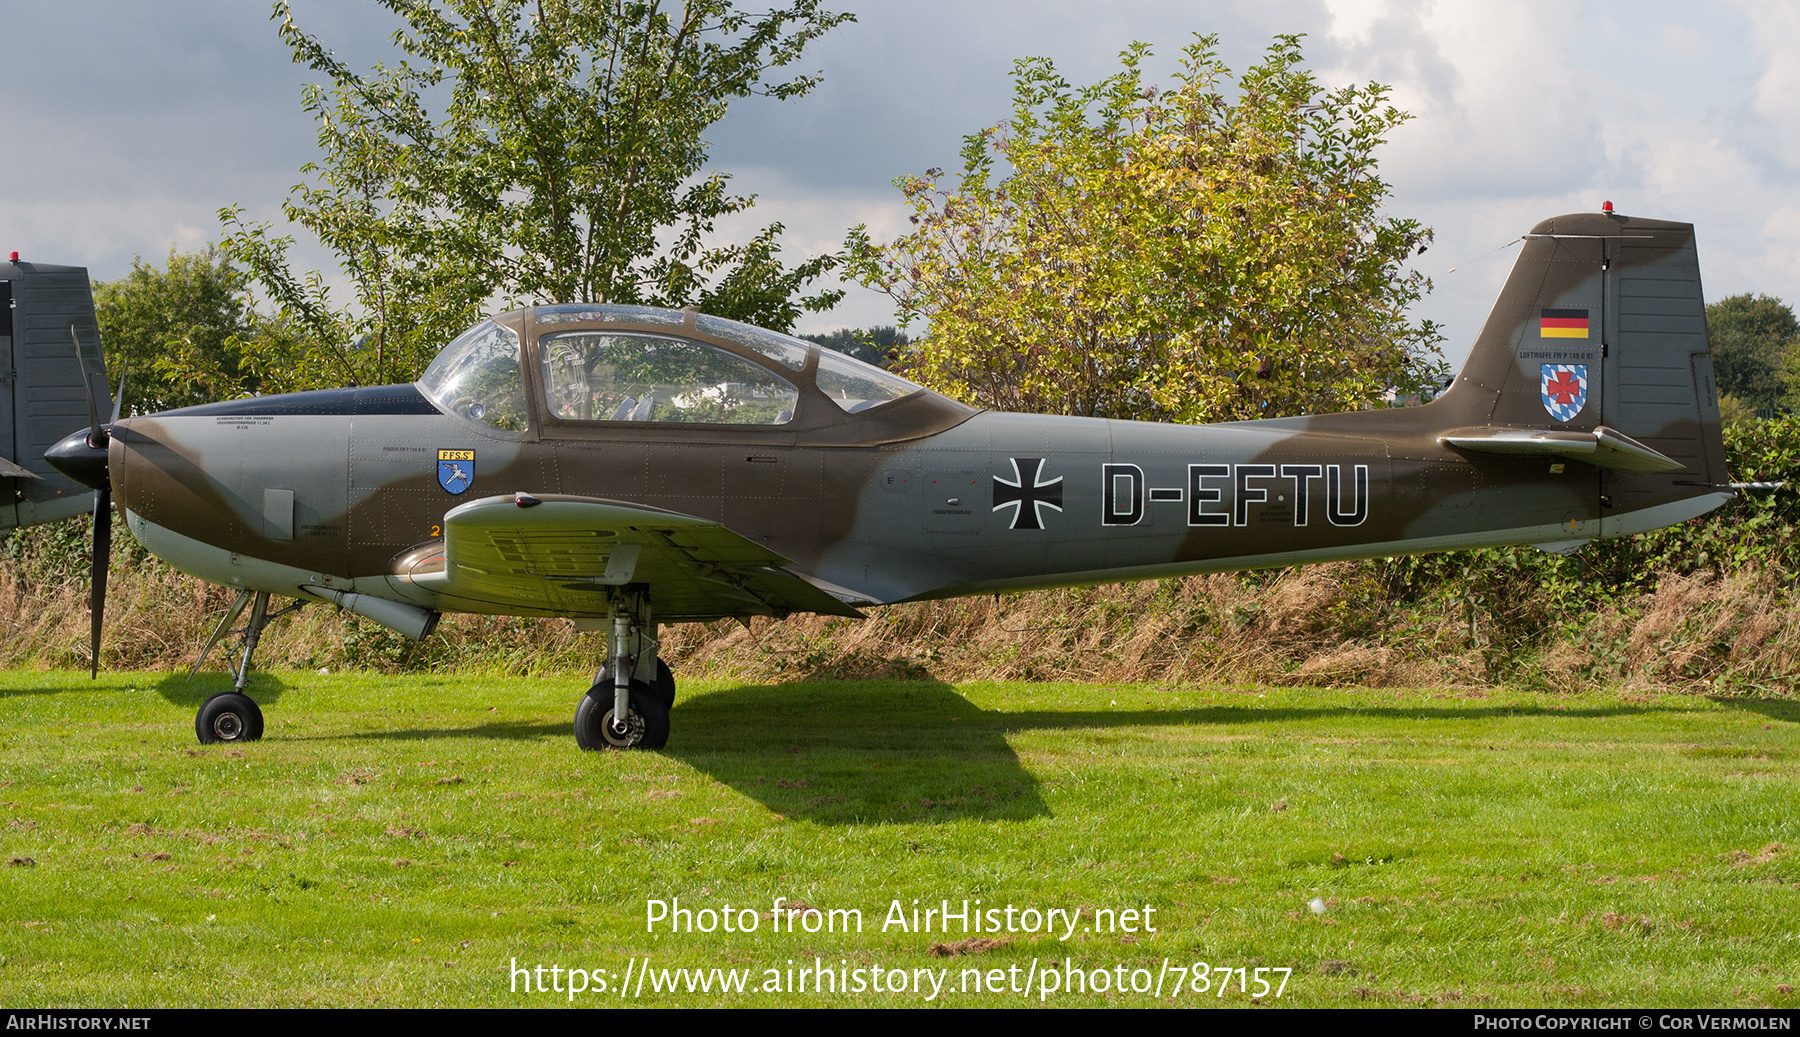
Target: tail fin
1597	351
44	399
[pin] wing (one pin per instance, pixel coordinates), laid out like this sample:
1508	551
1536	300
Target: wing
557	554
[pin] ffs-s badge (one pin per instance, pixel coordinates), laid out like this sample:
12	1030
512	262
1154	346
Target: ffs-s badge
1025	488
1564	389
456	469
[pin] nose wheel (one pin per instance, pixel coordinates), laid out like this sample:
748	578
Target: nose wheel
228	717
232	716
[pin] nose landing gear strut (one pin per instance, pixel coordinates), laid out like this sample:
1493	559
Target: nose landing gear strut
233	716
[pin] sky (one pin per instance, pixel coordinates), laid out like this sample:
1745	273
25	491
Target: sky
128	126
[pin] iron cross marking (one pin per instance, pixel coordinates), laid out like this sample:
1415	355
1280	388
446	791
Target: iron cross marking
1023	489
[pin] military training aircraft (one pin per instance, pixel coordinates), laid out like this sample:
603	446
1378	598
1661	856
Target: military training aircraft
628	467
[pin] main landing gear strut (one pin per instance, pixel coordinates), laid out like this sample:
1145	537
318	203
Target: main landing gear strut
628	706
233	716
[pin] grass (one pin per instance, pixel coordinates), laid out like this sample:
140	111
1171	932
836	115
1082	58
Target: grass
406	840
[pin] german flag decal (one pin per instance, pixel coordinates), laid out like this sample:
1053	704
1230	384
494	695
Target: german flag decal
1563	324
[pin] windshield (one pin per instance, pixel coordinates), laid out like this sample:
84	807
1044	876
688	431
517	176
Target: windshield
480	377
848	382
856	386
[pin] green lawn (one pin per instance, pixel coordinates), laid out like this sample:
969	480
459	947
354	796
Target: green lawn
410	841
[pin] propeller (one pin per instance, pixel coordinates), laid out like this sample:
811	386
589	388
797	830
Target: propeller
97	576
82	456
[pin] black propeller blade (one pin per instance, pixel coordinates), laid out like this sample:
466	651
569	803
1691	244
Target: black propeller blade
82	457
97	574
102	541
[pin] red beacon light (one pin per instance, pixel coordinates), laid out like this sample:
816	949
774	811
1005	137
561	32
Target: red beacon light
1606	207
15	257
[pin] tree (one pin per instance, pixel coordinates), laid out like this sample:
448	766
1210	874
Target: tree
564	165
1750	337
174	334
1172	256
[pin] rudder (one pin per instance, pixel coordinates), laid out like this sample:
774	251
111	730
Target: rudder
44	400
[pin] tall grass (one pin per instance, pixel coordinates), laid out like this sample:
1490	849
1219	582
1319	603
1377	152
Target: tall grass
1327	625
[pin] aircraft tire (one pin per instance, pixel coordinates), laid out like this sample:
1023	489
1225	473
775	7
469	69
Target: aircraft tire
664	685
649	720
228	717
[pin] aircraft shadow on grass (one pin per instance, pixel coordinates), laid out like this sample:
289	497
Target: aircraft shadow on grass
891	751
175	688
1068	719
859	752
851	752
86	687
1774	709
178	690
511	730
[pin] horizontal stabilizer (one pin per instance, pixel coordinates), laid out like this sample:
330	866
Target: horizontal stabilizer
10	470
1602	448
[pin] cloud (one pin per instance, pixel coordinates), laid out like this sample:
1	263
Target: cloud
1501	107
129	125
906	82
1775	40
1353	20
1684	42
1531	109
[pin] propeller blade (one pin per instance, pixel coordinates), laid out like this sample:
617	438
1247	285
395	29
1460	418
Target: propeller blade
97	574
119	400
87	386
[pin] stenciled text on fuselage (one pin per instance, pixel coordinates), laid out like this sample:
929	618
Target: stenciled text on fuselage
1222	494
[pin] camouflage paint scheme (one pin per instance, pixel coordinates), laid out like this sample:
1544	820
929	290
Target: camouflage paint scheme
923	497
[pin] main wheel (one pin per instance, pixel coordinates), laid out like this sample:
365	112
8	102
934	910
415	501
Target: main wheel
664	685
228	717
647	727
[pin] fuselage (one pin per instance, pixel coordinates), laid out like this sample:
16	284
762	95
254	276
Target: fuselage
334	488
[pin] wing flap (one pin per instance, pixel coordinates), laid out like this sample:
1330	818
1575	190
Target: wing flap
555	553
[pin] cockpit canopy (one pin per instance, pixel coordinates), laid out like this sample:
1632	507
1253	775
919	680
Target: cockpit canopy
653	371
481	377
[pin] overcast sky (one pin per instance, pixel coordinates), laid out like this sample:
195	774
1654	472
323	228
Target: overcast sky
127	125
